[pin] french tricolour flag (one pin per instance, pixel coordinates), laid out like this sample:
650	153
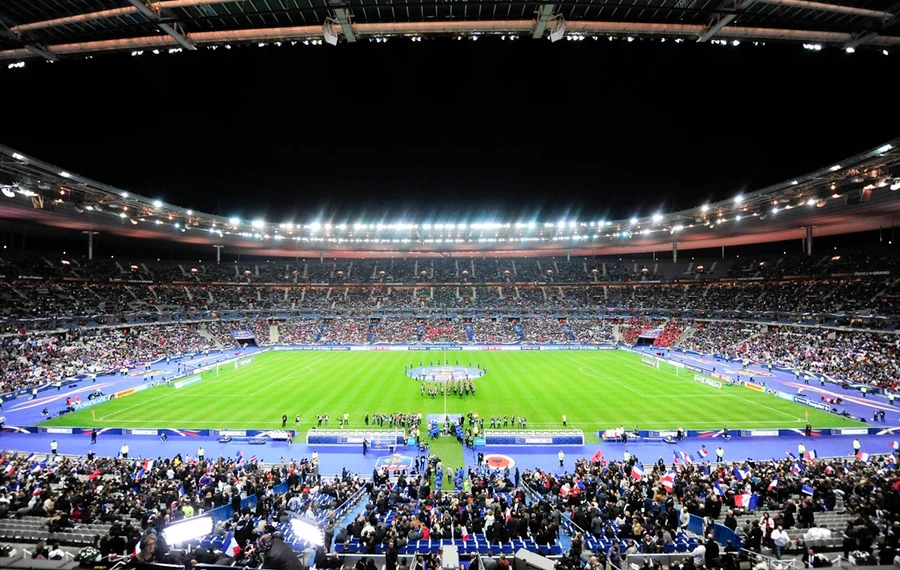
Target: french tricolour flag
808	490
230	546
811	455
774	483
637	471
895	445
747	500
741	474
668	481
862	456
703	452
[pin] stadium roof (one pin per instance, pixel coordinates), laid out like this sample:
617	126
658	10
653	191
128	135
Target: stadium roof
857	194
51	30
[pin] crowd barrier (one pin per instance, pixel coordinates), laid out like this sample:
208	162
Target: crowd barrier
534	437
376	439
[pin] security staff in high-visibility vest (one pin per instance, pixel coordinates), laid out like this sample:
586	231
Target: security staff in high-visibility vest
627	457
53	446
562	457
720	454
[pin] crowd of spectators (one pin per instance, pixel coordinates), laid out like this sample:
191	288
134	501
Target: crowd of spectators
643	510
29	359
477	270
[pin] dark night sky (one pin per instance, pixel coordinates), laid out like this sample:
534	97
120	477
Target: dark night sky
597	128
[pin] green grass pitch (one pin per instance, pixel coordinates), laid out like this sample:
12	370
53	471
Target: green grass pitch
595	389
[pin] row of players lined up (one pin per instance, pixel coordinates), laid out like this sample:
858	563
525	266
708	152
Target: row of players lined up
446	362
455	387
411	420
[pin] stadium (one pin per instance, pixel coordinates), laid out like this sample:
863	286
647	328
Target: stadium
202	369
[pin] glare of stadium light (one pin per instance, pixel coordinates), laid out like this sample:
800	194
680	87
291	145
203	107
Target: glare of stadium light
884	149
657	218
8	192
885	52
257	224
190	212
738	199
157	203
187	530
835	168
634	221
65	174
122	215
736	43
811	202
795	182
738	218
704	208
124	194
775	210
850	50
895	185
234	221
18	156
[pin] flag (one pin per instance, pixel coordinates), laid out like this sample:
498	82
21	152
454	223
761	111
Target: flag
811	455
675	458
829	470
668	481
862	456
703	453
747	500
741	474
895	445
718	489
254	459
597	456
808	489
686	458
774	483
637	471
230	546
789	454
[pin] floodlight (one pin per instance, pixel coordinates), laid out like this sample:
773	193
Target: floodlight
189	529
307	529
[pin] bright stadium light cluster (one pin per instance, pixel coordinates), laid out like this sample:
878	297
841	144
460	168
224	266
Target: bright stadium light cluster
833	185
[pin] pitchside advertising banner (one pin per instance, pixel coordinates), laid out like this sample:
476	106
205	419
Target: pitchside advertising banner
242	334
812	404
707	381
416	347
